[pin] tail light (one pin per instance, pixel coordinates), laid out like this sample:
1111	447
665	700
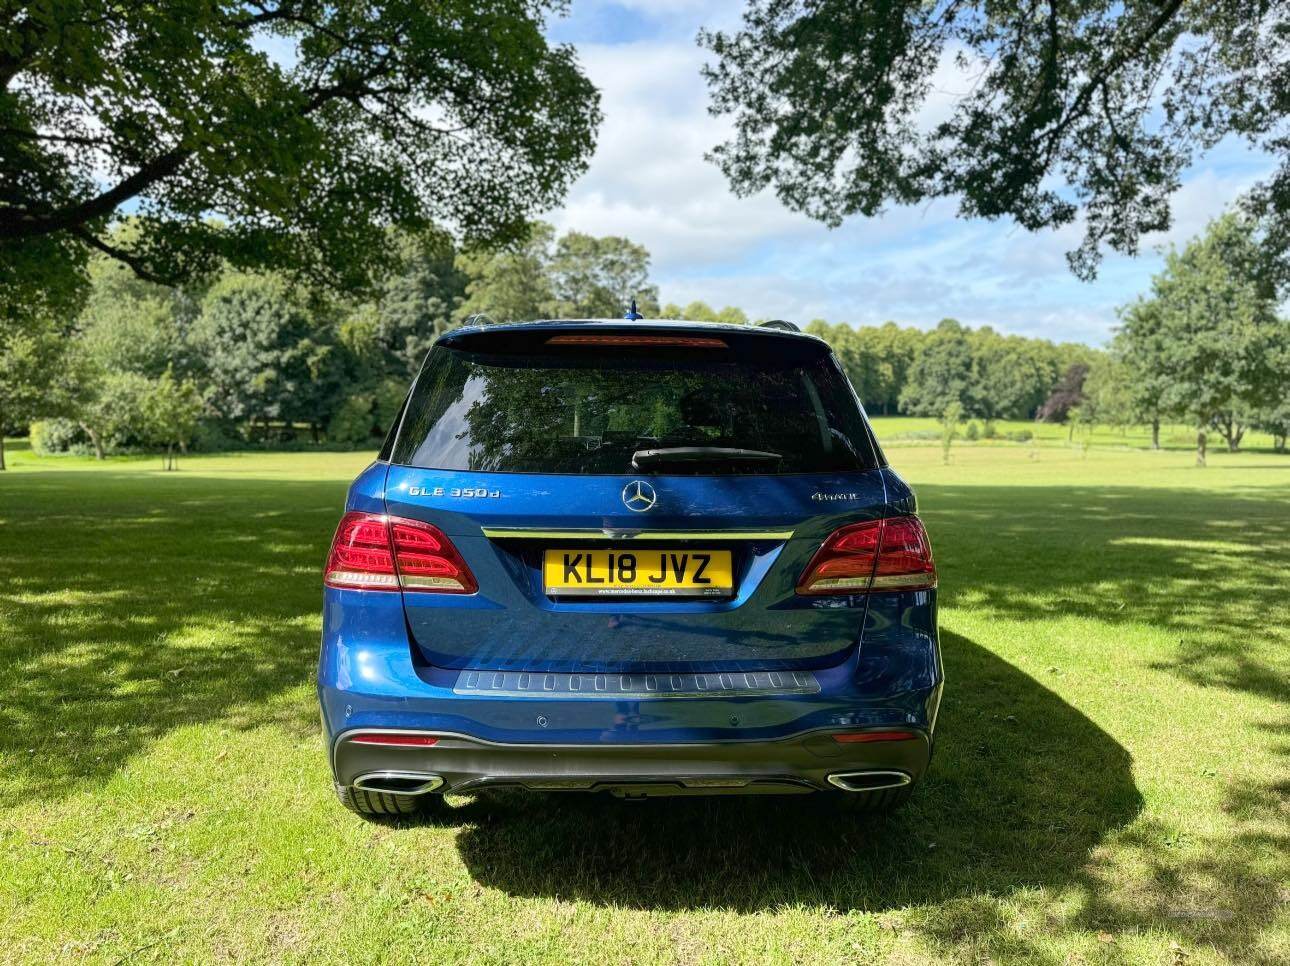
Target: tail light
859	737
372	551
387	740
891	554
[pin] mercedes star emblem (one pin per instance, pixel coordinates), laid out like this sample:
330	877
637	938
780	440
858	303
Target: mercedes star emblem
639	496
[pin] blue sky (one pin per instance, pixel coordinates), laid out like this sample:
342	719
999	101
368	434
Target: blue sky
649	181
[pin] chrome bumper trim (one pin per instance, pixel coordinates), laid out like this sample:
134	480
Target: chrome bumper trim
636	687
631	533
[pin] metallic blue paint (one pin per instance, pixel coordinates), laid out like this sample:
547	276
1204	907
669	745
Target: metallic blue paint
391	660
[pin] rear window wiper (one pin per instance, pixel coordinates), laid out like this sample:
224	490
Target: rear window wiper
644	458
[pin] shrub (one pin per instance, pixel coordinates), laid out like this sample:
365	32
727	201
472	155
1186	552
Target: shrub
1021	436
352	423
54	437
973	432
991	431
216	436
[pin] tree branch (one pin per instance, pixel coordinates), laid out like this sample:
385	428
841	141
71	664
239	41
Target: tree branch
136	264
30	224
1080	105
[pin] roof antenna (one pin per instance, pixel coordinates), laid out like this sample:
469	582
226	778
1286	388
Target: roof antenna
632	314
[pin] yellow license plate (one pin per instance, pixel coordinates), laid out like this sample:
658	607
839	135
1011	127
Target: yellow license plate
638	573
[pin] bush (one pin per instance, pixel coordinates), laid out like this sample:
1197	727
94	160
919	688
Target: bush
216	436
973	432
364	418
1021	436
352	423
55	437
991	431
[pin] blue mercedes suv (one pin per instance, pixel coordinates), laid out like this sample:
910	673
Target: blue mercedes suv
647	558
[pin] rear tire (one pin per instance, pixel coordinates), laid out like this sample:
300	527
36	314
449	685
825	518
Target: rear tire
384	805
880	802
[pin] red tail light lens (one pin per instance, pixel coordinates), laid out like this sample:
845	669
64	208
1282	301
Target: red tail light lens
857	737
372	551
891	554
395	741
360	554
427	560
905	561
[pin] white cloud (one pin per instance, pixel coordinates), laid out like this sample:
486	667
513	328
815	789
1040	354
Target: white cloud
650	182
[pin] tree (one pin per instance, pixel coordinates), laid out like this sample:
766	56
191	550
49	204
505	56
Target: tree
1139	345
509	285
598	277
1274	416
950	419
1109	395
169	413
417	303
702	312
858	364
941	374
379	112
732	315
1219	340
110	411
577	276
266	355
1010	377
33	380
893	350
1089	110
1275	420
1068	394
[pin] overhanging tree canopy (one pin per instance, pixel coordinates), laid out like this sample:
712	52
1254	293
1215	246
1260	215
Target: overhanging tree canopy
1061	108
287	133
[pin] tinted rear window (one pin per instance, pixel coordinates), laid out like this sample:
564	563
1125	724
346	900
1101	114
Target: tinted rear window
588	409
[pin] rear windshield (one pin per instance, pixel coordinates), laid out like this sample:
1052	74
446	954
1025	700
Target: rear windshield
757	406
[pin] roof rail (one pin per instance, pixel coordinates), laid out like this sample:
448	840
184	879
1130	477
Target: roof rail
782	324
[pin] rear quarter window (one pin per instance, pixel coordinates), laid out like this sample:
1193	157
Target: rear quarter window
526	407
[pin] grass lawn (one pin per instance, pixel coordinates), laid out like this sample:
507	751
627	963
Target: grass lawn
1111	780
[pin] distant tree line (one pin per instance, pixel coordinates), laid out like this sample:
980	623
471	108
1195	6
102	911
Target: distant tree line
260	359
252	357
1206	347
921	373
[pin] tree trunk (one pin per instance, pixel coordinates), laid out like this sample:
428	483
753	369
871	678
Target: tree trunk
1200	447
2	466
1278	443
1234	438
1155	433
94	441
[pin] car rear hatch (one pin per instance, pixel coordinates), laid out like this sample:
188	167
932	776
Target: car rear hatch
633	500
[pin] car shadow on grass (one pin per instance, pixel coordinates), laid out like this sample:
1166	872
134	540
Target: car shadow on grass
1022	787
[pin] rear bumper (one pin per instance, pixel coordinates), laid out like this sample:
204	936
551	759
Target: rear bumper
803	763
753	731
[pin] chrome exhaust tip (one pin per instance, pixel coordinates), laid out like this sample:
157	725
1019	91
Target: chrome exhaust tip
398	782
868	781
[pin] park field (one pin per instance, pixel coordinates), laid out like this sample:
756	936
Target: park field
1111	783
